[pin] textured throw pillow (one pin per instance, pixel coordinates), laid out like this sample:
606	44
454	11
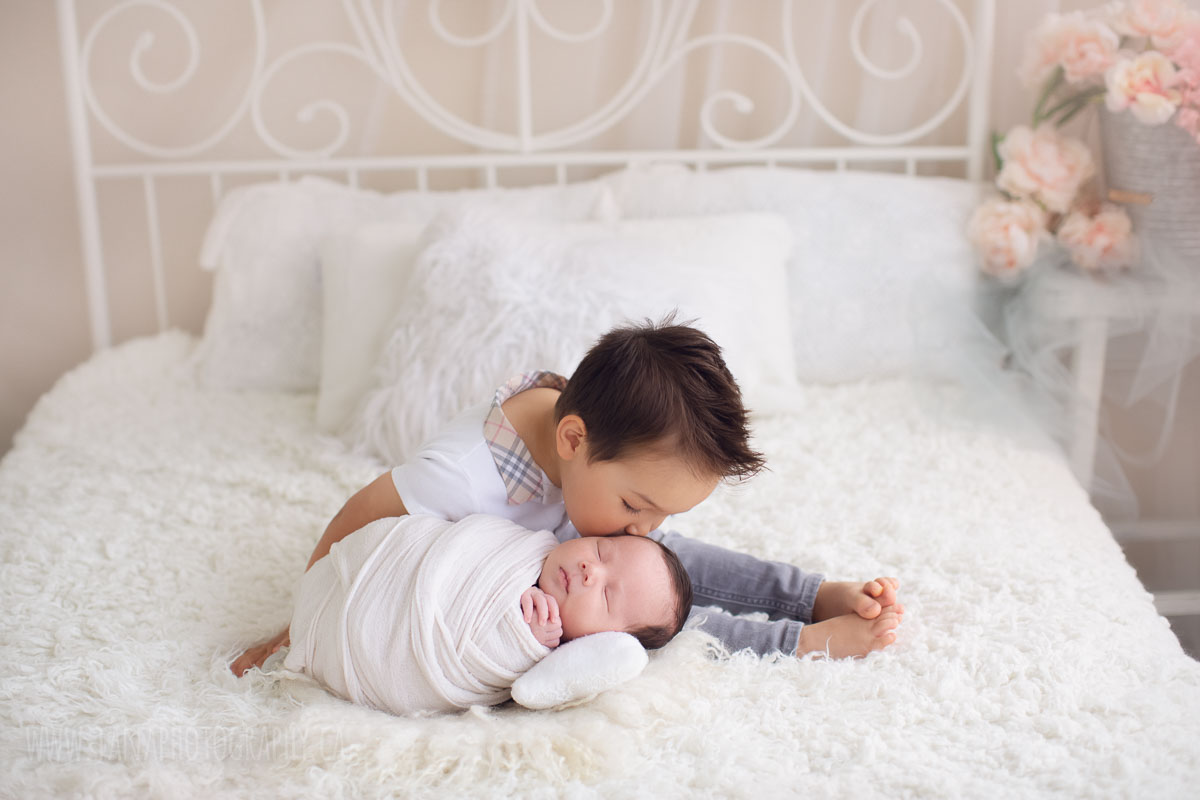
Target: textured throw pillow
492	297
882	280
263	329
580	669
363	273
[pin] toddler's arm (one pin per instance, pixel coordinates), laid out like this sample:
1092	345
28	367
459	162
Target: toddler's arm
376	500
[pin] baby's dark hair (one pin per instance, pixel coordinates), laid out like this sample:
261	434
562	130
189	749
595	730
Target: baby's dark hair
653	637
663	383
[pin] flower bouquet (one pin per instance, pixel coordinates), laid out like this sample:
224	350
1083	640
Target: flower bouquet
1140	58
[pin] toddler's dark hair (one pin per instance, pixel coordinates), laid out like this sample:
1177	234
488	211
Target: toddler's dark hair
653	637
667	383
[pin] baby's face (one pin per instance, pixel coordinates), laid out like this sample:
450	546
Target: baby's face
608	583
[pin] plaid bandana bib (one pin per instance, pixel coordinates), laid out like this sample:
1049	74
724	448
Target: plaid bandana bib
521	474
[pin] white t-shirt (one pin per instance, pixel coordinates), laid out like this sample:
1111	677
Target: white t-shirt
454	475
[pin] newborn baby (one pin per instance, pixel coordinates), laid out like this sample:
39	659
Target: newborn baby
416	614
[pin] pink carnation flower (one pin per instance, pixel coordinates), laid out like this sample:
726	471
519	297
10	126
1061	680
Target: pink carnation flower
1162	21
1186	56
1103	241
1144	84
1084	47
1185	52
1006	232
1043	165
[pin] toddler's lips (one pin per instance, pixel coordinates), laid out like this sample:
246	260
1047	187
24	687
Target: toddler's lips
566	580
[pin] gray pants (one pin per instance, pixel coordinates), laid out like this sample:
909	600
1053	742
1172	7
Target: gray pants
740	583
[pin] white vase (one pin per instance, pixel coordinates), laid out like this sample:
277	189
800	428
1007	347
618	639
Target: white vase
1153	171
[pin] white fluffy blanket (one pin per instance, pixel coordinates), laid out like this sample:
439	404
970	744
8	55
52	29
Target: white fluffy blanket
417	615
149	529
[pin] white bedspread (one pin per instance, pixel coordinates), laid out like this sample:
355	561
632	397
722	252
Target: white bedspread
148	529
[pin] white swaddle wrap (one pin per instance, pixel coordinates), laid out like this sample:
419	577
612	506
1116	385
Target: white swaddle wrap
417	614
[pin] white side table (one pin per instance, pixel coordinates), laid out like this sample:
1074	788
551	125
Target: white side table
1094	308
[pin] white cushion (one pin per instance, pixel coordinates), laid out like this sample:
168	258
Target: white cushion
263	329
363	274
577	671
882	280
492	297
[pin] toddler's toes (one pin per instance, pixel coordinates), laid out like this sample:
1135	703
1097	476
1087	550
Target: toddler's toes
887	593
867	608
887	622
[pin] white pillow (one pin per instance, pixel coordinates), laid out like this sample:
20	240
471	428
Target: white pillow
263	329
577	671
492	297
883	279
362	275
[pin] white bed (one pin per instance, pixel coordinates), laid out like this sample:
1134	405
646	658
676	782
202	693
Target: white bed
148	519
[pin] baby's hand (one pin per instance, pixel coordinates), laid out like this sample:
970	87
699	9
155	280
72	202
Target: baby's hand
541	612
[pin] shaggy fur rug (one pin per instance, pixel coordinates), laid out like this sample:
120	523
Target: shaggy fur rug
149	529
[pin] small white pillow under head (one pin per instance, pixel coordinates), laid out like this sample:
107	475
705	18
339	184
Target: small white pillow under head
577	671
363	274
492	297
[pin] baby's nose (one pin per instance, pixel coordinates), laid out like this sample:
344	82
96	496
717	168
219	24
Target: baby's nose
589	571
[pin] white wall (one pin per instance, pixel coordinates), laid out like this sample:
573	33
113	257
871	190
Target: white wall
43	318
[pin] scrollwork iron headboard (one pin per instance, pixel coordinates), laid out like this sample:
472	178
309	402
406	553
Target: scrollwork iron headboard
107	148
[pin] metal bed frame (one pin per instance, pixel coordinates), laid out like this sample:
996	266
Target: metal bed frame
374	43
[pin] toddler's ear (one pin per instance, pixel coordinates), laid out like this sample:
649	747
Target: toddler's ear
569	436
577	671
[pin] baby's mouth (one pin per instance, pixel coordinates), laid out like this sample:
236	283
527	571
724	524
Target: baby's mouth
566	579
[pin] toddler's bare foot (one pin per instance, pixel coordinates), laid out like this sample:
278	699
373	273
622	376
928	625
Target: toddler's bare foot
867	600
849	635
256	655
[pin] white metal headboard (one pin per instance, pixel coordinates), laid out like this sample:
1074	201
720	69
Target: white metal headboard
372	40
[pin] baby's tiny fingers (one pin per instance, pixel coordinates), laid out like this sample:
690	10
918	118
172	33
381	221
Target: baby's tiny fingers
539	603
552	608
527	605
